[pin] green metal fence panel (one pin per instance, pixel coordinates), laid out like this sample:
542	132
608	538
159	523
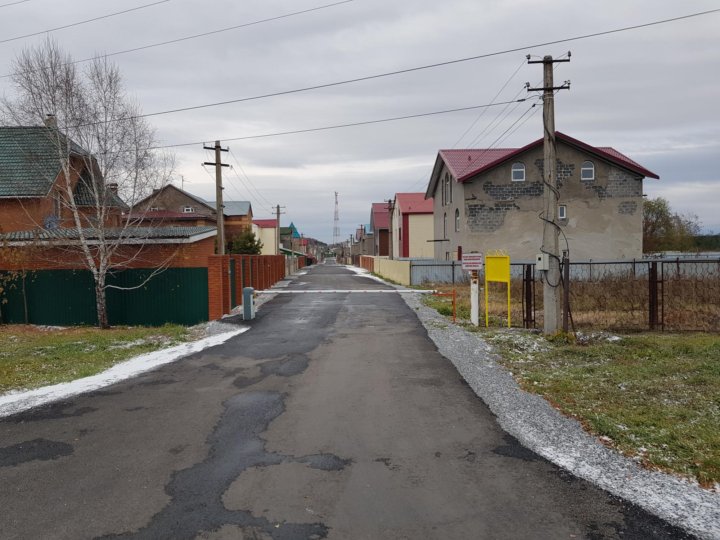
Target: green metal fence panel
177	295
54	297
67	298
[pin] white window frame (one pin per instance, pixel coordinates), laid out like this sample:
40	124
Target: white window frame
154	209
513	169
188	209
562	211
584	168
457	220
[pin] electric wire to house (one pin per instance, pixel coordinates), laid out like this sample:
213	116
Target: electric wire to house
249	181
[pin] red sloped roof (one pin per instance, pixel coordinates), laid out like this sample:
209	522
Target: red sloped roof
265	223
414	203
465	164
380	215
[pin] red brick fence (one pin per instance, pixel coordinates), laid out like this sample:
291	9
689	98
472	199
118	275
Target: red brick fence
228	275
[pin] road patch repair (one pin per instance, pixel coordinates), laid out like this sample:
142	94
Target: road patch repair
15	402
562	440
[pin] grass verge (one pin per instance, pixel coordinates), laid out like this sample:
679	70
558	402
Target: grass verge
653	397
35	356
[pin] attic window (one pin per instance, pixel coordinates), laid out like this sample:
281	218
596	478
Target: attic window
587	171
188	209
154	209
518	172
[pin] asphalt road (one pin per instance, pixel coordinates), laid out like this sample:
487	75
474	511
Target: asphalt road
333	417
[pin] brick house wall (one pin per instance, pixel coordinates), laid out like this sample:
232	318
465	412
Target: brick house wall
193	255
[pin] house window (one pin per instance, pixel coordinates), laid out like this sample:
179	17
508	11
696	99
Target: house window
518	172
188	209
448	186
444	226
587	171
154	209
457	220
562	212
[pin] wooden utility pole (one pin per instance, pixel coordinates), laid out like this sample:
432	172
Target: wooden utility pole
219	207
551	230
277	228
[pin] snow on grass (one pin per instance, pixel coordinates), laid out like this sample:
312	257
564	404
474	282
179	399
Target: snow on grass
17	401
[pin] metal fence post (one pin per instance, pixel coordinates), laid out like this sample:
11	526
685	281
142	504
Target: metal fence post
653	296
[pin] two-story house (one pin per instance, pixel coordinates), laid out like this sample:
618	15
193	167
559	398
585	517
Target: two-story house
412	226
493	199
33	184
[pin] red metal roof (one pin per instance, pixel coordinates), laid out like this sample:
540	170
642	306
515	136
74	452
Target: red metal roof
414	203
464	164
265	223
380	217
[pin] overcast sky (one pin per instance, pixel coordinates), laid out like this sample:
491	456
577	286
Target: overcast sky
651	93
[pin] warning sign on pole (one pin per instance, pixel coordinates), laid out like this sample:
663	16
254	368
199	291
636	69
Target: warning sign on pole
472	261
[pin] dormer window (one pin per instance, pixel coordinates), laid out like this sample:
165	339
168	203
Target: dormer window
154	209
188	209
587	171
518	172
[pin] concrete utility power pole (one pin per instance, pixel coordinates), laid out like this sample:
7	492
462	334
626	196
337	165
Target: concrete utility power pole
277	228
549	258
219	207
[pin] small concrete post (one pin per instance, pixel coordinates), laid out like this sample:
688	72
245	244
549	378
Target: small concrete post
474	298
248	304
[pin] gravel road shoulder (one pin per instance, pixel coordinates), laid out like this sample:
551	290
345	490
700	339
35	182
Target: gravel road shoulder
562	440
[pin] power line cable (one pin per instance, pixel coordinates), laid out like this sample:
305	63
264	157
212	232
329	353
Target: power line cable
338	126
13	3
409	70
482	113
78	23
203	34
250	182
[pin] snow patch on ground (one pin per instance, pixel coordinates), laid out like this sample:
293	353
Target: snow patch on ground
540	427
365	273
18	401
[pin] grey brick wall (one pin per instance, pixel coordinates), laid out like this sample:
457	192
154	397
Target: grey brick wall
627	207
506	192
620	184
483	218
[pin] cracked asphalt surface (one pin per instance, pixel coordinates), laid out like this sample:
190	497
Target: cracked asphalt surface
333	417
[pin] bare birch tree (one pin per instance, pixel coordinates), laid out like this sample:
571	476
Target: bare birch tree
105	150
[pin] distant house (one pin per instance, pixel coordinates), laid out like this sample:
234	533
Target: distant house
266	231
37	225
33	186
492	199
290	237
171	205
238	217
380	228
412	226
